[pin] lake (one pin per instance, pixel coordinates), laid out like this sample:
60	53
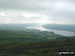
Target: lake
59	32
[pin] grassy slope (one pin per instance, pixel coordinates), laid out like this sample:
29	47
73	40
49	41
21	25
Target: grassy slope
9	46
46	48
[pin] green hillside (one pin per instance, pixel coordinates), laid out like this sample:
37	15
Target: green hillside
33	43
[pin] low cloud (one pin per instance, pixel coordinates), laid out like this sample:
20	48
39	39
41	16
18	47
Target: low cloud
37	11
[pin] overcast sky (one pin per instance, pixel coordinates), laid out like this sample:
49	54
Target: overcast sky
37	11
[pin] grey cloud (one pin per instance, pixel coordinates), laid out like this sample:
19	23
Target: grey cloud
51	8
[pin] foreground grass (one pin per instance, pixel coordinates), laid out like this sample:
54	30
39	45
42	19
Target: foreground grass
34	43
43	48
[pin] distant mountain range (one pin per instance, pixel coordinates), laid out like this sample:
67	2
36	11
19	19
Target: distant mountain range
14	26
69	27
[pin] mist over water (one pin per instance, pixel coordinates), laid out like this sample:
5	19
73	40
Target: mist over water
60	32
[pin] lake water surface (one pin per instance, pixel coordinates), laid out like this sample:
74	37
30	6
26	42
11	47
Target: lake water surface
60	32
